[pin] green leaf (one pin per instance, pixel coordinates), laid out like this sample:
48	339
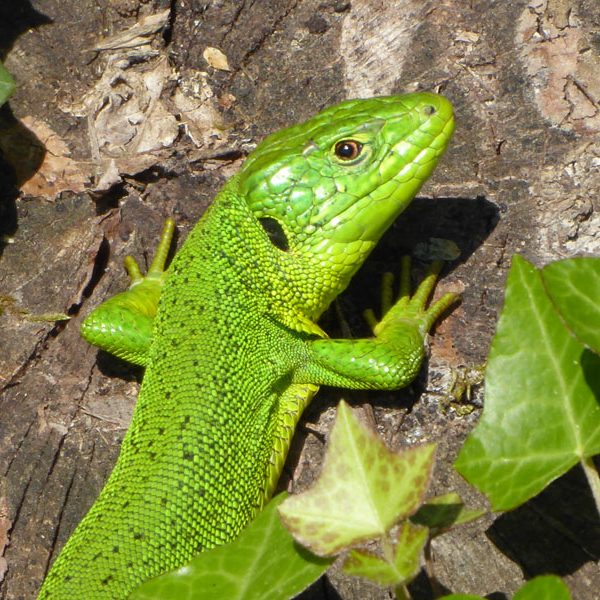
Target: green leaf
363	491
541	413
462	597
442	512
544	587
264	563
574	287
7	84
403	565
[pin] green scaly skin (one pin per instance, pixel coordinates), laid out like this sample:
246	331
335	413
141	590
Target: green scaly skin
229	339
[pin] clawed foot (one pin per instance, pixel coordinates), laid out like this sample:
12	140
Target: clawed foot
409	307
156	270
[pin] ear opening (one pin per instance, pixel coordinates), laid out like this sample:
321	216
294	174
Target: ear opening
275	232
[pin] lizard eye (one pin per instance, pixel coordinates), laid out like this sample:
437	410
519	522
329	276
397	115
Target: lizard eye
348	149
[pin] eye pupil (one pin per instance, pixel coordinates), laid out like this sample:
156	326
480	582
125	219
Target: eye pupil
348	149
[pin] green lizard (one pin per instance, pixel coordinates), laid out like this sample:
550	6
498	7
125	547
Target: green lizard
229	339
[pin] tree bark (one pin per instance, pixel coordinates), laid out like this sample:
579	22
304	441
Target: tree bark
521	176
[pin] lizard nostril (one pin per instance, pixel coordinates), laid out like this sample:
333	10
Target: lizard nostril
429	110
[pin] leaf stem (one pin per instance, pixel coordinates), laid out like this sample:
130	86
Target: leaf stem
387	546
401	592
593	479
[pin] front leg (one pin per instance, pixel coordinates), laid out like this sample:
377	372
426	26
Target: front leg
392	358
122	325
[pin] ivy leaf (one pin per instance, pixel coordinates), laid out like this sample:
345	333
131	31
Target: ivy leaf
364	489
402	566
544	587
574	287
264	563
541	413
7	84
440	513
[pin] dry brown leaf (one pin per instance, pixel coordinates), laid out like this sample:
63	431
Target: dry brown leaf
134	117
470	37
110	176
126	113
202	121
58	171
216	59
137	35
160	130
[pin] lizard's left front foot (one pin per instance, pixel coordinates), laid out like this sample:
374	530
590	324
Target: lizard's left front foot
122	325
407	307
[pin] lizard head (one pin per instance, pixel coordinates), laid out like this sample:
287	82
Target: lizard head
326	190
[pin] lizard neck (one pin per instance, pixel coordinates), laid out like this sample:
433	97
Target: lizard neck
290	286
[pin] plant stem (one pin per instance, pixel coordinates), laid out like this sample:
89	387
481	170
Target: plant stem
401	592
387	546
592	476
